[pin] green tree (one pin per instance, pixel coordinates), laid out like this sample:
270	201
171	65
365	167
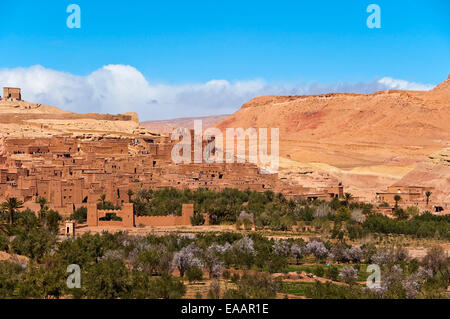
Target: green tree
4	228
167	287
412	211
130	194
397	198
277	264
34	242
333	272
108	279
47	280
348	197
52	219
428	194
42	201
146	195
9	278
436	259
12	204
80	215
254	286
197	219
194	274
400	213
102	199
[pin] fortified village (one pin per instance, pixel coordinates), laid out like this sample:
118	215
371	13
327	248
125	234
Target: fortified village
72	168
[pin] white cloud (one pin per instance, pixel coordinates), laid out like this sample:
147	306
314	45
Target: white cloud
404	85
122	88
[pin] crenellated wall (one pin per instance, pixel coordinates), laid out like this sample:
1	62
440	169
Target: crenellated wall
130	220
187	212
126	213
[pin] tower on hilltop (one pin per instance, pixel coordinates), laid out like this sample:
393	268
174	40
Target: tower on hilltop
12	93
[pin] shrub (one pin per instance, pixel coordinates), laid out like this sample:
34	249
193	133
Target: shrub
318	271
80	215
412	211
343	214
108	279
254	286
435	259
198	219
33	243
333	291
4	242
238	224
194	274
9	278
214	290
333	273
226	275
244	252
277	264
166	287
247	224
52	219
400	213
111	216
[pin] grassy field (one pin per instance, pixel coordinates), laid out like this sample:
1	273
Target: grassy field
296	288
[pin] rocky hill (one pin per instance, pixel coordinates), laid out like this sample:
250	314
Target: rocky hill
25	119
368	141
167	126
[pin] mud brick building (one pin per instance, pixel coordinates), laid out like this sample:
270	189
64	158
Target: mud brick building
12	93
71	172
410	195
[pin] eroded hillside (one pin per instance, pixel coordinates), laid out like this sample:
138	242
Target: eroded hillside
368	141
24	119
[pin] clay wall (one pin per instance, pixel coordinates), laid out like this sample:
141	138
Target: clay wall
12	93
187	212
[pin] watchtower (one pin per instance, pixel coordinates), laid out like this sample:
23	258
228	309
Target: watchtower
12	93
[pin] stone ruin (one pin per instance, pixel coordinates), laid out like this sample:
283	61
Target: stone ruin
12	93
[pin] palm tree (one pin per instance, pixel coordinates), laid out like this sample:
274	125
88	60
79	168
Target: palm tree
102	199
42	201
428	194
3	225
397	198
12	205
130	193
347	198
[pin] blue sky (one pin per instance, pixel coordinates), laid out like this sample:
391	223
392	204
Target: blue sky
282	46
